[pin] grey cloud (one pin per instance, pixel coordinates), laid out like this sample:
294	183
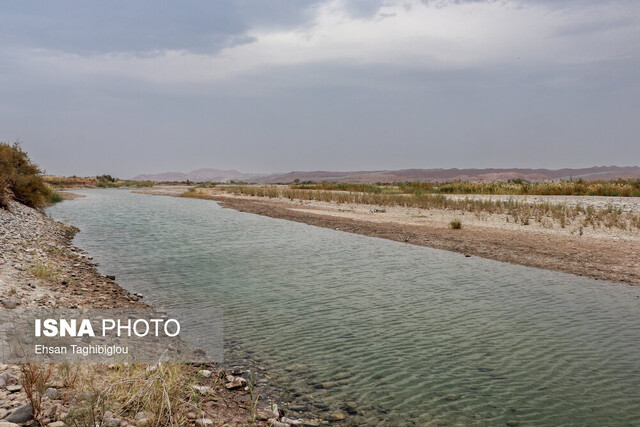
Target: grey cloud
318	115
82	27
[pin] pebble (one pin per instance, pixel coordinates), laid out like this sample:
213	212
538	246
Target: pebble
205	373
338	416
236	383
10	302
203	422
112	422
203	389
51	393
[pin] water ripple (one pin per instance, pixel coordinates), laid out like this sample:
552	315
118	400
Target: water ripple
413	336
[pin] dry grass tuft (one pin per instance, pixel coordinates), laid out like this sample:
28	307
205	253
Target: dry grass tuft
34	381
456	224
45	271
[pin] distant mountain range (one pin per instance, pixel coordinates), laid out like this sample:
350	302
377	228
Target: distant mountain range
427	175
198	175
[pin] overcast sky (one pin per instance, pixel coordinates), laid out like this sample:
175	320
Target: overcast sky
128	87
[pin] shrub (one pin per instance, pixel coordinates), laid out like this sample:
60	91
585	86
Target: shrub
456	224
20	178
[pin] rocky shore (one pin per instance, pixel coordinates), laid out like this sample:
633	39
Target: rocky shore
39	267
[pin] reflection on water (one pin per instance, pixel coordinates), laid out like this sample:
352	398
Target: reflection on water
384	332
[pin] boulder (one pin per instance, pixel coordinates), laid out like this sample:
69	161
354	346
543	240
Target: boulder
21	415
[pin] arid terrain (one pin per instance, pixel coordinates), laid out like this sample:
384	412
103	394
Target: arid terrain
606	253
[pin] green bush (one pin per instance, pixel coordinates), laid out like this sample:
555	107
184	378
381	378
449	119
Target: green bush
20	178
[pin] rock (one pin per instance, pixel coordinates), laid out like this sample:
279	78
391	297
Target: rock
51	411
298	408
51	393
350	404
275	423
237	383
312	423
111	422
338	416
57	383
236	370
192	416
10	302
263	416
203	389
291	421
14	388
56	424
21	415
204	373
141	415
142	422
203	422
7	378
6	424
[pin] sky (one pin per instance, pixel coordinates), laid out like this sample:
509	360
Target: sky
128	87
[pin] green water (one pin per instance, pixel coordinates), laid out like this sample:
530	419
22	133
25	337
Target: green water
398	334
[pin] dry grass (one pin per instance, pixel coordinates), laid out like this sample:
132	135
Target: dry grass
516	211
579	187
163	393
45	271
34	381
456	224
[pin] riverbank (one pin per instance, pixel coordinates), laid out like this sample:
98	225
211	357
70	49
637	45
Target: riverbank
605	253
40	267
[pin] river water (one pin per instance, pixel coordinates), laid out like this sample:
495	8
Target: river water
384	332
